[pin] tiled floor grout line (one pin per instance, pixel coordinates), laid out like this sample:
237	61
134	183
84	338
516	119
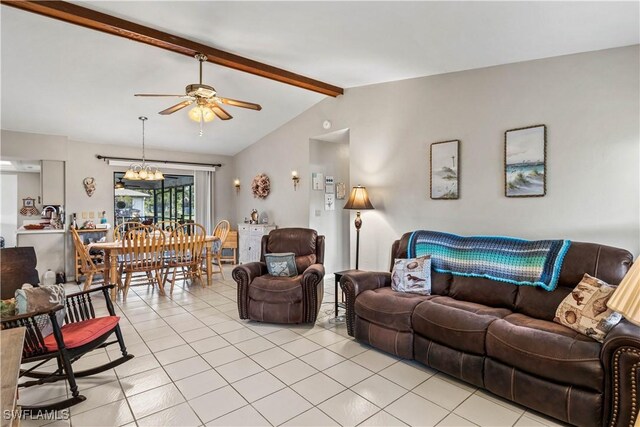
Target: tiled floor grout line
263	370
174	382
171	382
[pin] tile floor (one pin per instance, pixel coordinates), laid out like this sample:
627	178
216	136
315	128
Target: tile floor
196	363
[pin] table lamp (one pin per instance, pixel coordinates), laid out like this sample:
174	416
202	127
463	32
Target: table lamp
358	200
626	298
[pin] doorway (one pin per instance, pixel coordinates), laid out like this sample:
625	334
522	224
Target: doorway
330	186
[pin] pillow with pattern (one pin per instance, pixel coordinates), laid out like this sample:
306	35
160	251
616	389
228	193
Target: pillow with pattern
45	297
282	264
585	309
412	275
8	307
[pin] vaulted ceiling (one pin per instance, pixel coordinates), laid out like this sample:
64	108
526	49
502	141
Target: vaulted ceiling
62	79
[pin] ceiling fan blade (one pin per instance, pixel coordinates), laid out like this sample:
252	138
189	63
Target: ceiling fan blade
243	104
156	94
218	111
176	107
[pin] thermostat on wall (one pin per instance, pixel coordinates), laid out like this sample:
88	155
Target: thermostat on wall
326	124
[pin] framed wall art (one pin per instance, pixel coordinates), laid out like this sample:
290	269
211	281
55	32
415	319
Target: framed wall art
525	161
444	181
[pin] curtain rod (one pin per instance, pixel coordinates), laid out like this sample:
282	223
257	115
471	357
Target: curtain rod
166	162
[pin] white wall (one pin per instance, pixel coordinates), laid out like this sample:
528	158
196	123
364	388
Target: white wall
9	208
80	162
588	101
17	186
330	159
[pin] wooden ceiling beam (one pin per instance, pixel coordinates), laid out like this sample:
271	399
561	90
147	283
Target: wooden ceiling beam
89	18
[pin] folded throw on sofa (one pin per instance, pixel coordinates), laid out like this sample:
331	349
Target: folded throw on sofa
506	259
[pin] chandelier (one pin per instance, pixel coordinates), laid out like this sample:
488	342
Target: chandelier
143	171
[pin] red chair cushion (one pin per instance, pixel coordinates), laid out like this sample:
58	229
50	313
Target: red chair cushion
81	333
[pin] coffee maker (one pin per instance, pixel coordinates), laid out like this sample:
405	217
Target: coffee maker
55	215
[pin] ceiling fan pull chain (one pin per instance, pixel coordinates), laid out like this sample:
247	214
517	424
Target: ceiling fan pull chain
201	118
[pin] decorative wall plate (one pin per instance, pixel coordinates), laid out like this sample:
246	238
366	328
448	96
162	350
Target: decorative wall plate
261	186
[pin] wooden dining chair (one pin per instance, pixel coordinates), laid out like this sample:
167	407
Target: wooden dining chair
88	267
142	251
120	229
167	225
221	231
185	248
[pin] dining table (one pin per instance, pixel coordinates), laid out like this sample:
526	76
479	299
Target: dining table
112	250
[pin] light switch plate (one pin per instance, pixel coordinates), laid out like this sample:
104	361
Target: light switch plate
318	212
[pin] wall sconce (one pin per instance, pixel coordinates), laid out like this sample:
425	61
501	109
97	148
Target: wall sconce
236	183
296	179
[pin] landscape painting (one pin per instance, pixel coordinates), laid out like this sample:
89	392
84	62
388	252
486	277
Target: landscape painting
444	170
525	161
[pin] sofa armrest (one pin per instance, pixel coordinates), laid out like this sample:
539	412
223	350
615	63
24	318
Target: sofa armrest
311	292
313	274
353	284
620	357
244	275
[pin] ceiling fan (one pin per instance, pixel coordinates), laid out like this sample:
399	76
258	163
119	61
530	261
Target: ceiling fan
207	102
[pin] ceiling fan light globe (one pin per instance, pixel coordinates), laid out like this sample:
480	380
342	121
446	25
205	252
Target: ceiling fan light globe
200	112
158	176
142	174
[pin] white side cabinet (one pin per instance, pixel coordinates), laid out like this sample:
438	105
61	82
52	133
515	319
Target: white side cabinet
250	240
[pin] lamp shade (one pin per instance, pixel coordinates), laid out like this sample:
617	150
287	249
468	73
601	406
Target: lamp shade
626	298
358	199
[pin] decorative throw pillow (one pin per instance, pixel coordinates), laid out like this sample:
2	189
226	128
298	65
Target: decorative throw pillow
281	265
585	309
8	307
412	275
30	299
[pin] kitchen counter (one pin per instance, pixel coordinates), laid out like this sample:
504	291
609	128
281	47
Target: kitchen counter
49	244
23	230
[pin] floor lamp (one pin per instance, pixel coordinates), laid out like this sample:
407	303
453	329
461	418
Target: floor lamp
358	201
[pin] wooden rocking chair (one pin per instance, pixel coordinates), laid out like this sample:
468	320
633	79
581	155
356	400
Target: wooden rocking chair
81	333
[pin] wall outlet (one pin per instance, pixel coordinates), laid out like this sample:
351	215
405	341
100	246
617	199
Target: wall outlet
91	214
318	212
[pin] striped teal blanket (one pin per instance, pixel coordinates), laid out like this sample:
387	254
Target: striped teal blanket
516	261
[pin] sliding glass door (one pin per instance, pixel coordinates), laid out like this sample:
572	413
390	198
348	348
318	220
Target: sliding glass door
151	201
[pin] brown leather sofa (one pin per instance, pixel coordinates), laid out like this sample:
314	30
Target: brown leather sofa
502	337
266	298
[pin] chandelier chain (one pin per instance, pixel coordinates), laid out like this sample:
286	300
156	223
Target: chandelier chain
143	119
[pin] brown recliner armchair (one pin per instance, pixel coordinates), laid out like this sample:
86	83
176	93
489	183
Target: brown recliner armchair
267	298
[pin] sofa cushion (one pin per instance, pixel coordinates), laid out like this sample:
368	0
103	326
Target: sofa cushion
604	262
461	325
546	349
484	291
276	289
388	308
